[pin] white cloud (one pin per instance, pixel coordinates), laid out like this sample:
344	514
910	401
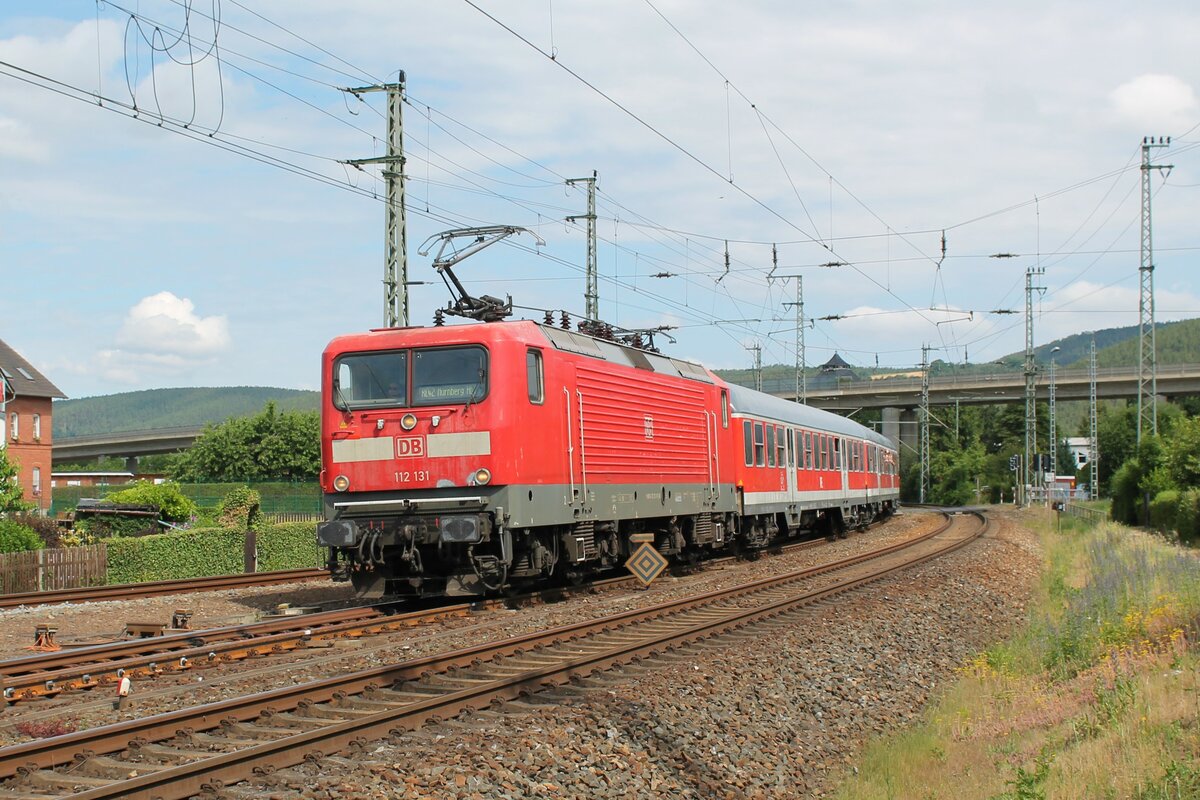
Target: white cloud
1156	102
167	327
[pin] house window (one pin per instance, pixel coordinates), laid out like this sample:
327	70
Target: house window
37	481
14	425
37	427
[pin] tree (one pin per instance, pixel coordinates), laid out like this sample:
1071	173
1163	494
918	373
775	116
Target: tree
11	493
1182	453
264	447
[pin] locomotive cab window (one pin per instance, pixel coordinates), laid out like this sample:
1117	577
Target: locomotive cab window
449	376
370	380
725	410
533	376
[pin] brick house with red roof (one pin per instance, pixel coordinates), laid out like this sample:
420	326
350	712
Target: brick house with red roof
26	431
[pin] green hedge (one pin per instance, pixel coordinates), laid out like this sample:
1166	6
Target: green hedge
276	498
210	551
290	545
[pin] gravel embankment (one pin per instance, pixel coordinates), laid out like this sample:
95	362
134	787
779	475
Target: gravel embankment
777	714
773	714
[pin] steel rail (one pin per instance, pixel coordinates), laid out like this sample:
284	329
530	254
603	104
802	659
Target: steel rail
710	614
128	591
105	664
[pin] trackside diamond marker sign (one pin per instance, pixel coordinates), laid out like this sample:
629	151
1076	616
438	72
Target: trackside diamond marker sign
646	564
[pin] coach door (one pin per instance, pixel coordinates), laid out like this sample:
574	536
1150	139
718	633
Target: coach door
793	456
844	460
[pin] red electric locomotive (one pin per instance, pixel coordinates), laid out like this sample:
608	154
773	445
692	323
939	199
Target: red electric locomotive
467	459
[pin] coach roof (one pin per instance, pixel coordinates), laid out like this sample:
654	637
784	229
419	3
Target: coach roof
748	401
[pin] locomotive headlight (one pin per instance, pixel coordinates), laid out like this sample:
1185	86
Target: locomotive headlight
408	421
481	477
341	483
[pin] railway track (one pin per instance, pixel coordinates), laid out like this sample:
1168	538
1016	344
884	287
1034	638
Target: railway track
46	675
129	591
206	748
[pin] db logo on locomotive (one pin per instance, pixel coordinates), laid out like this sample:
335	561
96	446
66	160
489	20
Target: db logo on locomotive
410	446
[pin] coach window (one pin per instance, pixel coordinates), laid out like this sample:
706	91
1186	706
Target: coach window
748	439
779	448
826	456
533	376
760	457
770	445
837	452
724	409
791	454
808	450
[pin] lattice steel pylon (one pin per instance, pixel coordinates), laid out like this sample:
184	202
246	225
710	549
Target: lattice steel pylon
1053	422
1147	417
591	292
801	378
924	443
756	348
1093	440
1030	378
395	257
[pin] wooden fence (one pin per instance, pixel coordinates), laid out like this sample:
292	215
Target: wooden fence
40	570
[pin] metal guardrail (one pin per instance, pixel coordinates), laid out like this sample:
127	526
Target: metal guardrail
820	385
1093	515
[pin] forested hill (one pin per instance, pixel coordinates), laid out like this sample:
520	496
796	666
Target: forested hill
170	408
1175	343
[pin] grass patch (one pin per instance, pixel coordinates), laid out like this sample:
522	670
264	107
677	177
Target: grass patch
1097	697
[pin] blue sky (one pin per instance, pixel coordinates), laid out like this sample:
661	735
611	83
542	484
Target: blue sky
140	255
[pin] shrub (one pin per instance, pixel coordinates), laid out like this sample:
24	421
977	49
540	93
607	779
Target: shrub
44	527
1187	519
240	509
1126	496
1164	508
17	538
173	505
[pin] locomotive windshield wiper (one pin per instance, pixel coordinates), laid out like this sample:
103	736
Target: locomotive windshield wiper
479	385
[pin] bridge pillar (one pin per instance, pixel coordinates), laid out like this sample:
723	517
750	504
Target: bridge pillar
910	432
891	425
131	464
